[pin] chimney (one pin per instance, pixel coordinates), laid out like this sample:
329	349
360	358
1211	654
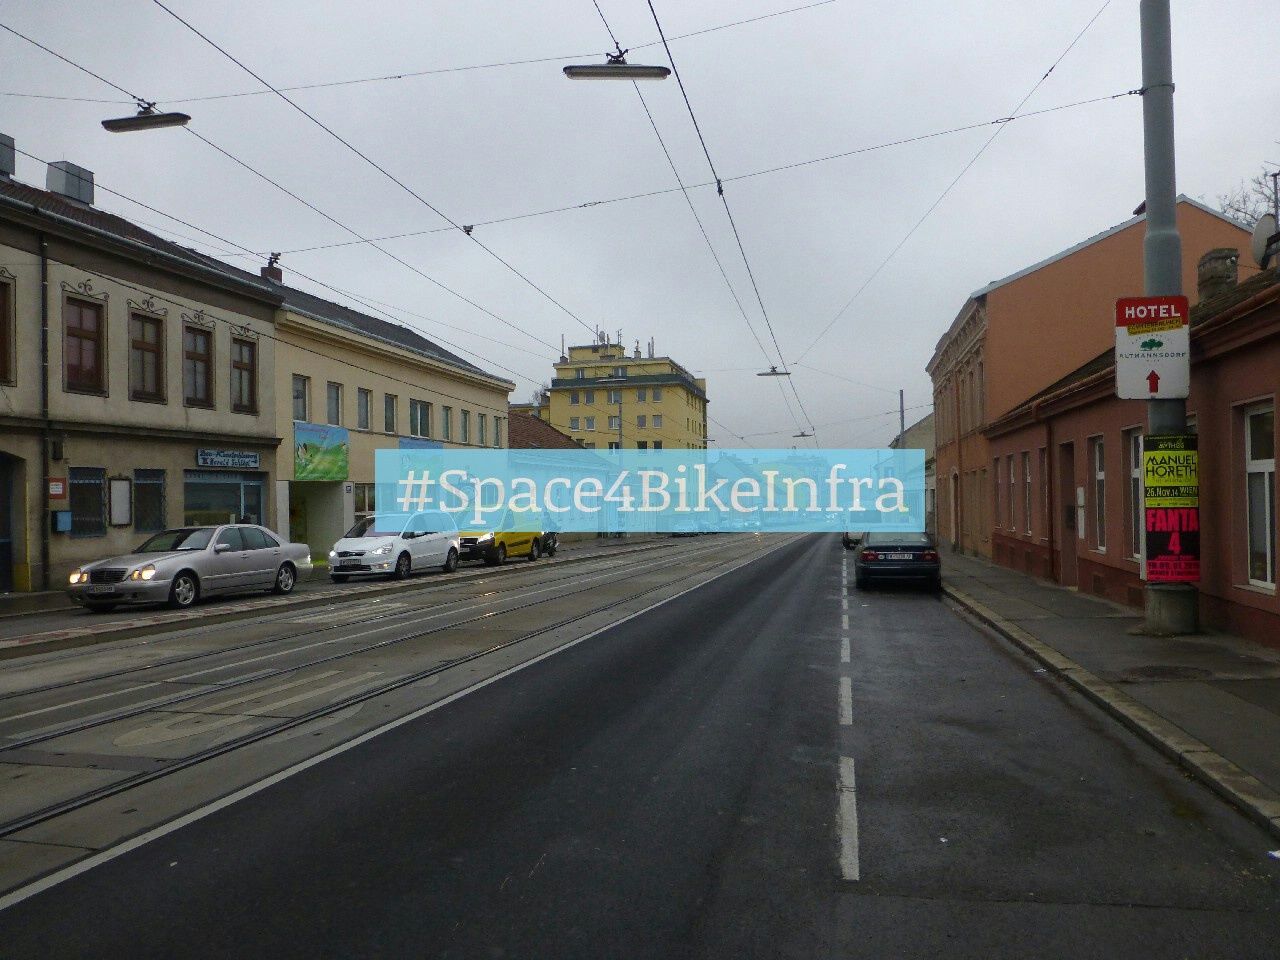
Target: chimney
68	180
271	271
651	348
1217	272
635	355
7	156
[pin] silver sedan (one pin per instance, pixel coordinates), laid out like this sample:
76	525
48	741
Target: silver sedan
180	566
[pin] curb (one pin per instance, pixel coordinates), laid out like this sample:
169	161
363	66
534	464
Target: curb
161	622
1243	790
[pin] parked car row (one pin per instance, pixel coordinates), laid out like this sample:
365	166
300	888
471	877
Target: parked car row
183	565
881	557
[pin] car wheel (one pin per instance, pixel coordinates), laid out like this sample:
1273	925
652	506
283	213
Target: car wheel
535	551
339	577
498	557
99	607
184	591
552	548
286	577
451	561
404	566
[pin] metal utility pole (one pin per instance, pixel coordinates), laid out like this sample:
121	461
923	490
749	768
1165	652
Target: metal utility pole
902	415
1170	608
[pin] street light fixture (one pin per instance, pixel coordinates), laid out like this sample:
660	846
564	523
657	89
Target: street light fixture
145	119
615	67
774	372
802	433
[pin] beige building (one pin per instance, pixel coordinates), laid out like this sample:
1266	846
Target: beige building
150	403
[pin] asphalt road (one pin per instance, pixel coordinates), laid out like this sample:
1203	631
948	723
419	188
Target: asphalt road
674	787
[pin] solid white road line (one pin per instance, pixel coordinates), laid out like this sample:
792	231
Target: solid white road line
846	702
850	869
88	863
844	649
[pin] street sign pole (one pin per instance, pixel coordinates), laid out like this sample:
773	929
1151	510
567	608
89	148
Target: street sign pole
1170	608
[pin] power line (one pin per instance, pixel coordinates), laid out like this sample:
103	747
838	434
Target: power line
373	163
947	189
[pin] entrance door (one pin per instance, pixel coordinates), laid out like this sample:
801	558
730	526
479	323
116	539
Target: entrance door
8	501
1067	519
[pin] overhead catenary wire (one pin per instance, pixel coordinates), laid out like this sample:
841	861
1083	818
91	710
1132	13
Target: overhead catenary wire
955	180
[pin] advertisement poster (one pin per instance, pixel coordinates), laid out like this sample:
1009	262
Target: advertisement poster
1171	498
320	452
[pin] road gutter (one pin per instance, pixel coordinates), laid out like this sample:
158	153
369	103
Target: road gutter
1246	792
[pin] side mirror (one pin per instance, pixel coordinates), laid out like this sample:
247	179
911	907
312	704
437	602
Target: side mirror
221	547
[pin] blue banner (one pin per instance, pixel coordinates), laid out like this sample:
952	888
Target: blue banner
644	491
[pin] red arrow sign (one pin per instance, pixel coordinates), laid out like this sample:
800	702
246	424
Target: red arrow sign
1153	381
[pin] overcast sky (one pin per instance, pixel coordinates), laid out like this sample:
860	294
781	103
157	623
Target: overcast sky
492	143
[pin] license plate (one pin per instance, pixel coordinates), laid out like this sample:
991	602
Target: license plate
349	563
102	589
896	556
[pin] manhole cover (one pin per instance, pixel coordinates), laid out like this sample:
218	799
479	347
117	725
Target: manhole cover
1163	671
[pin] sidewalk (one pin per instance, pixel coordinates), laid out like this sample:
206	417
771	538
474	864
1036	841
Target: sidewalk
1210	702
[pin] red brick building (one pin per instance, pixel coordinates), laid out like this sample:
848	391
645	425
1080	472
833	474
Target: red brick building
1065	465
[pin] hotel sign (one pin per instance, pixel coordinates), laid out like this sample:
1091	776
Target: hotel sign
1153	348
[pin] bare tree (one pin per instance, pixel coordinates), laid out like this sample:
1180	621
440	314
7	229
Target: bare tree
541	395
1248	202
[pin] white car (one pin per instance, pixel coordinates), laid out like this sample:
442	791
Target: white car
395	545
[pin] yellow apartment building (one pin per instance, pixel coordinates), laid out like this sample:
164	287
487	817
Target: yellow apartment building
607	399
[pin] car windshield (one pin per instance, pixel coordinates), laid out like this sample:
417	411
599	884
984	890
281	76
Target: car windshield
187	538
904	539
384	526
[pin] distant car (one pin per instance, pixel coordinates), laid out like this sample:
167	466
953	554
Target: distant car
182	565
395	545
897	556
496	546
851	538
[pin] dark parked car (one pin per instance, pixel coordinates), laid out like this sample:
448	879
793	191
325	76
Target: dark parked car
897	556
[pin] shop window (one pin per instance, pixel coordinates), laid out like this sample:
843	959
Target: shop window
222	496
419	418
365	501
301	397
389	402
244	376
363	400
1260	492
88	501
333	404
84	347
148	501
1098	464
197	367
146	358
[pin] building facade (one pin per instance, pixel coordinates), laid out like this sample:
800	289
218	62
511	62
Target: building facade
605	399
135	384
1016	336
1068	506
921	436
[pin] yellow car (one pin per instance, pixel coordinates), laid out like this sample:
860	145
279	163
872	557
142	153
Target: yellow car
496	546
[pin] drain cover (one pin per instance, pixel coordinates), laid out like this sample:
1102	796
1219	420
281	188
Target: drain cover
1164	671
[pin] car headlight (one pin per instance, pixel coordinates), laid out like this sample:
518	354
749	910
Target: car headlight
78	576
333	554
143	573
380	551
483	537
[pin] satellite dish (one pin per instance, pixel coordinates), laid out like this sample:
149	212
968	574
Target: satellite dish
1264	239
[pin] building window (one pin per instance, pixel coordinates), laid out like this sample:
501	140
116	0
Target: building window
580	373
589	397
148	501
657	444
1026	491
642	395
614	445
575	423
995	490
419	418
1013	493
389	413
83	347
244	376
481	423
641	420
619	371
497	431
464	425
657	420
364	400
1134	491
573	398
197	367
615	396
1260	487
642	444
591	423
333	404
1043	464
363	498
88	501
446	423
615	423
301	396
657	394
146	357
6	333
1097	458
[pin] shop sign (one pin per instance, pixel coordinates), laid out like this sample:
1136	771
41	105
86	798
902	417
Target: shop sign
1171	502
320	452
235	459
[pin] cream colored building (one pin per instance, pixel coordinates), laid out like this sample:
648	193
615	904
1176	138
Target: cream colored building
151	405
